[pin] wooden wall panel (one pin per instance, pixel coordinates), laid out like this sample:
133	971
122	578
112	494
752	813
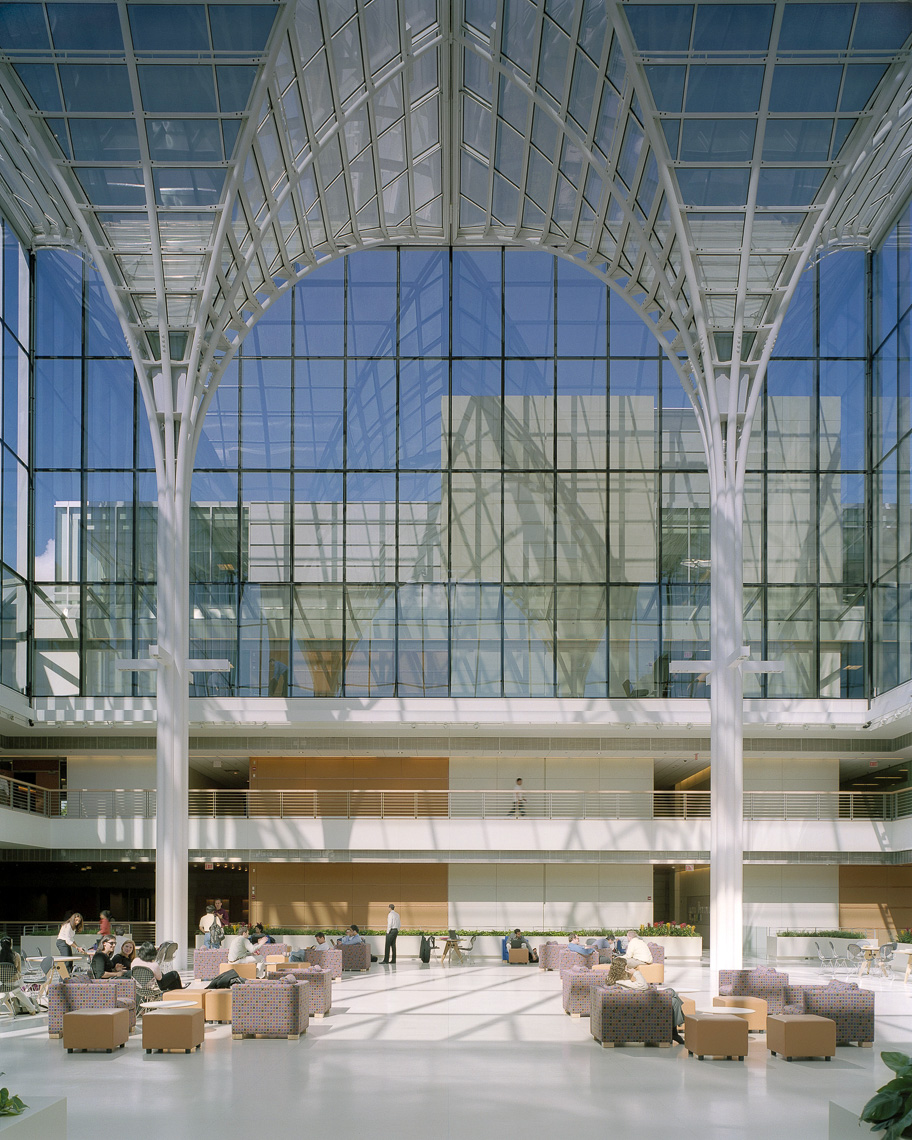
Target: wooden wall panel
335	894
875	898
277	773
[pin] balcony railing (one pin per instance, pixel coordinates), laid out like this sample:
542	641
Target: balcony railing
219	803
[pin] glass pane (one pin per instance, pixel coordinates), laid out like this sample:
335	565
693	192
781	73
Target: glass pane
528	641
528	528
842	415
791	623
476	624
318	512
108	633
791	528
263	658
319	408
213	635
219	444
528	414
422	407
109	413
633	645
267	514
14	634
632	413
790	416
475	527
372	304
266	413
582	312
424	322
370	623
422	554
320	312
109	526
372	414
528	303
842	642
631	527
214	538
55	660
582	517
685	636
58	511
423	656
685	528
476	303
318	649
58	300
476	415
370	528
582	649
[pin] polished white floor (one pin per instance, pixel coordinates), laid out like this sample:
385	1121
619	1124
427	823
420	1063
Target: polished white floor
434	1053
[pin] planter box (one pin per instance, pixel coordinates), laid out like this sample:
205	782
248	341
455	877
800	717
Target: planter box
798	949
44	1119
844	1123
691	948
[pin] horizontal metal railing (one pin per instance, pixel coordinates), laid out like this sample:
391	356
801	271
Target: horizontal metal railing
218	803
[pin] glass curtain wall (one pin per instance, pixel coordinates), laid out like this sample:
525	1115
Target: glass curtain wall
15	294
891	441
450	472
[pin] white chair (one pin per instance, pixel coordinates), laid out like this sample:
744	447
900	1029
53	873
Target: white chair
827	961
464	951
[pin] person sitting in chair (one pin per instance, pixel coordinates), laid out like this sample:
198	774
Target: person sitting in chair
518	940
103	965
573	943
170	980
637	952
351	937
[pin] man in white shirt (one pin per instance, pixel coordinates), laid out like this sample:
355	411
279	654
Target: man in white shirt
393	926
637	952
240	949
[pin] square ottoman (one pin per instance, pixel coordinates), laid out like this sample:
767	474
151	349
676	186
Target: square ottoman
715	1035
246	970
756	1019
217	1005
185	995
96	1029
801	1035
180	1029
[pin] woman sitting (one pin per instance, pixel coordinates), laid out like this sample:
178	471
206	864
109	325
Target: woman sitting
15	1001
170	980
125	955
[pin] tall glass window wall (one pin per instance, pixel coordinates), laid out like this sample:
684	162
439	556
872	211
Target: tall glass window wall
892	457
14	458
464	473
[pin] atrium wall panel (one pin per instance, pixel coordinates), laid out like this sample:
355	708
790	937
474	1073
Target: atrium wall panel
791	774
275	773
123	771
878	899
333	895
799	897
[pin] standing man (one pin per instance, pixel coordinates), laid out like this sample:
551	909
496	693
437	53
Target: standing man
221	912
519	800
393	925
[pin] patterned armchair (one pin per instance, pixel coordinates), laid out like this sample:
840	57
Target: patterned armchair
619	1015
270	1009
763	984
548	955
851	1007
328	956
319	981
357	957
72	994
577	988
568	960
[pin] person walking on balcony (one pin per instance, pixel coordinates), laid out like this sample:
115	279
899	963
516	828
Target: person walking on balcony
519	800
393	926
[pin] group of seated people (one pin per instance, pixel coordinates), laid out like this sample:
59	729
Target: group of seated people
633	948
106	964
351	937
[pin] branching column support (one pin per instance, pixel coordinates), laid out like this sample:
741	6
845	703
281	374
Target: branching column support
174	471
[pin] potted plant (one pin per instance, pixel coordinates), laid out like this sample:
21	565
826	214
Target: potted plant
890	1109
11	1105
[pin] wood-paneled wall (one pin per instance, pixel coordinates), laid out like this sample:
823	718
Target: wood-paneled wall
277	773
336	894
875	898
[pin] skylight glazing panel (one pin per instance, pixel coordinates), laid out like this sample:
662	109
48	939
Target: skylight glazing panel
234	86
182	140
23	28
95	87
859	84
606	128
425	123
58	128
719	140
724	87
346	54
423	76
509	153
733	27
552	61
882	26
40	80
241	28
112	186
660	27
593	26
716	231
667	85
582	90
790	139
805	87
295	129
476	124
176	89
520	18
720	186
100	140
188	187
816	27
776	231
381	26
630	152
318	90
784	187
168	27
186	230
85	27
479	14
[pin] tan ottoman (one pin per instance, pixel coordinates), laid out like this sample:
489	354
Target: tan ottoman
756	1019
800	1035
653	972
244	969
715	1035
181	1029
185	995
519	957
688	1007
274	960
217	1005
86	1029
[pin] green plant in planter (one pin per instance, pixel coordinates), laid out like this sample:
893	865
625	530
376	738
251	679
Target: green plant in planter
890	1108
904	936
10	1105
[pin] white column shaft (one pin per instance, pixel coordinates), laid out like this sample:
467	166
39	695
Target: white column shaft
171	822
726	741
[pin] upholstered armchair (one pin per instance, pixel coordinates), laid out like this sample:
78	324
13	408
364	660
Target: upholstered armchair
113	993
846	1003
319	981
328	956
577	986
270	1009
619	1015
356	957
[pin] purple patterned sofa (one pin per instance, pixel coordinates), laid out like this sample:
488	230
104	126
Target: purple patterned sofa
618	1015
577	986
270	1009
569	959
206	963
356	957
319	981
328	956
846	1003
62	997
